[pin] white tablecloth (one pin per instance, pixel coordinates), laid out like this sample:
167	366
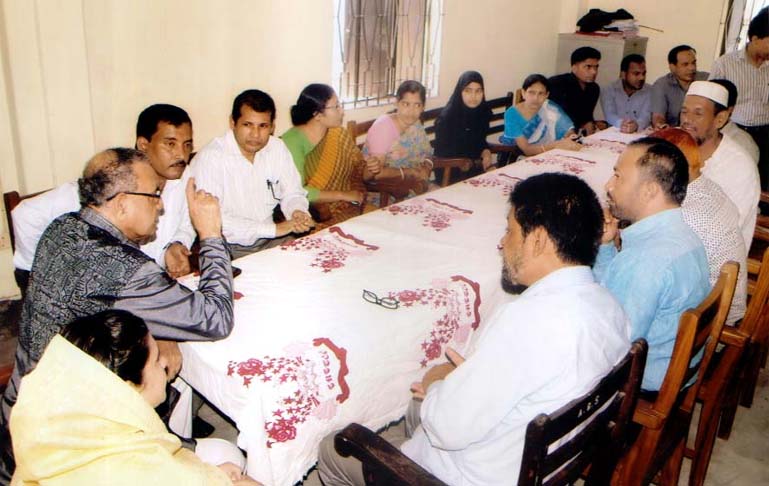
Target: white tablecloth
308	355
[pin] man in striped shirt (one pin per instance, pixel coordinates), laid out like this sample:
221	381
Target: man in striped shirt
748	69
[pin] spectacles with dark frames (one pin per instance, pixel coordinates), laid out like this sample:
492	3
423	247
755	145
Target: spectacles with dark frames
156	195
386	302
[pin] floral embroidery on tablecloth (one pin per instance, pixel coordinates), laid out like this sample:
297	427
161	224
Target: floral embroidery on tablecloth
436	214
567	163
495	180
309	380
331	248
600	143
458	298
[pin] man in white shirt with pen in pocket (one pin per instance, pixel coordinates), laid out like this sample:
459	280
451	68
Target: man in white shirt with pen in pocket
252	172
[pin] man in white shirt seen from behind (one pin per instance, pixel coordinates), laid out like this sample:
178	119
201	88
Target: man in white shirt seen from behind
535	354
251	172
726	163
164	132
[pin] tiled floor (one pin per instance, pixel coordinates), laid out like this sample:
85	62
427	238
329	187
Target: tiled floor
742	460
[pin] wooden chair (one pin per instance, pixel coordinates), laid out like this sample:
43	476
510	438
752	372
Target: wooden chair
11	200
754	326
599	418
665	421
760	337
722	378
507	153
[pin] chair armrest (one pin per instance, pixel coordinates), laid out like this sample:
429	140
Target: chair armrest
764	197
646	416
379	457
754	266
761	232
498	147
734	337
395	186
444	162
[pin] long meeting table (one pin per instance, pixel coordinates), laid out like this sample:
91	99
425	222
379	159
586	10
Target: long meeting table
319	341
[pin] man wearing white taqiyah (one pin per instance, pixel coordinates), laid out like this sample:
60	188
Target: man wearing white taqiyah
703	114
537	353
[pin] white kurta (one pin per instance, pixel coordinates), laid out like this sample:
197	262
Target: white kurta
542	350
32	216
742	138
249	191
732	168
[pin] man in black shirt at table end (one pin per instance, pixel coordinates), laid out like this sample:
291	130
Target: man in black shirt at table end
577	92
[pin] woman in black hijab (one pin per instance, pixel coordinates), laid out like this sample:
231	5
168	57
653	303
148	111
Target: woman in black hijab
460	130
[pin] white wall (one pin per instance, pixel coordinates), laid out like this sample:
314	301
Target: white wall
75	73
692	22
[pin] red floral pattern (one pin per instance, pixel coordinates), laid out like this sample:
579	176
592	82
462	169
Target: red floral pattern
567	163
310	380
495	180
437	215
459	299
600	143
332	248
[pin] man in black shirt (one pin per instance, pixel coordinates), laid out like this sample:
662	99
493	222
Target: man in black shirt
577	92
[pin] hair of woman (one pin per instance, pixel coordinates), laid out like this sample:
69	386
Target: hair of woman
115	338
312	100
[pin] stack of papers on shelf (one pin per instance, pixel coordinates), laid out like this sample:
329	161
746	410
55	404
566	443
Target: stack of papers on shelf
629	28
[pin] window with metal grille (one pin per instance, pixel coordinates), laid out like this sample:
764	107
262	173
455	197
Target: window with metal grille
380	43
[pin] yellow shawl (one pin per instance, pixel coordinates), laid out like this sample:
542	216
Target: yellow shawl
77	423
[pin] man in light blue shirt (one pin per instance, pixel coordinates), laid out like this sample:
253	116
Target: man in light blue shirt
627	101
662	269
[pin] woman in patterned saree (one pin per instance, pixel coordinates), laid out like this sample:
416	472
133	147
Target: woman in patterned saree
537	124
400	140
326	156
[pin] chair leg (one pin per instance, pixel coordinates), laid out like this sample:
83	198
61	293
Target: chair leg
672	468
750	379
624	472
703	443
728	411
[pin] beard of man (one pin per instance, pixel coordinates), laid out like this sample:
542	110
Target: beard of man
508	285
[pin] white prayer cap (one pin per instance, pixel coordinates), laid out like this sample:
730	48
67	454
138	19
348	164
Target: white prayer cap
712	91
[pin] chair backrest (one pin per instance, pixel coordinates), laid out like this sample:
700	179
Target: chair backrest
755	323
11	200
587	431
498	107
699	331
358	129
518	96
